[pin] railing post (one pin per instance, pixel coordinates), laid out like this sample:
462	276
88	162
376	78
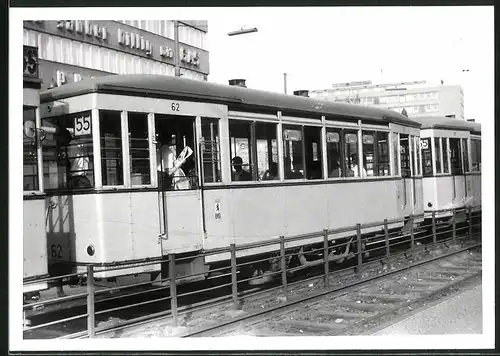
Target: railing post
387	246
434	237
90	302
360	255
412	232
469	211
173	289
234	277
454	226
325	257
283	266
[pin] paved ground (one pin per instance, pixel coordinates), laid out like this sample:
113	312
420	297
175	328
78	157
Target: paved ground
460	314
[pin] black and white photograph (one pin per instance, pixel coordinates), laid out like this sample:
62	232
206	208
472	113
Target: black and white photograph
292	178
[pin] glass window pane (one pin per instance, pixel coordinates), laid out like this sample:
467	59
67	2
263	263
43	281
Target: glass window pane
313	152
455	156
444	145
405	154
465	150
111	147
242	150
437	152
139	148
333	153
395	151
351	153
267	151
293	152
425	147
30	168
210	148
369	153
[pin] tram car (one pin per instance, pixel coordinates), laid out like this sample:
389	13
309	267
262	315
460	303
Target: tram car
142	166
35	259
451	151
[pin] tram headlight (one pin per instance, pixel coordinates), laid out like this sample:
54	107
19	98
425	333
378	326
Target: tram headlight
429	204
90	250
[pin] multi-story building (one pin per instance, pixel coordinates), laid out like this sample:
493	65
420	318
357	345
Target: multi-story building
71	50
415	98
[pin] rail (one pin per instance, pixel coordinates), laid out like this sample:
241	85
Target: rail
327	247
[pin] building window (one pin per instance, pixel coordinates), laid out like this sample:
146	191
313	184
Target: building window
30	165
475	154
138	134
111	148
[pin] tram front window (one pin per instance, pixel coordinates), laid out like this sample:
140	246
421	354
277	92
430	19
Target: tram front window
139	148
68	152
30	168
293	152
313	155
455	156
111	148
437	154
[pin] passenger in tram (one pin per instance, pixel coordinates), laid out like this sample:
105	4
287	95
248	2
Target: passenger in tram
355	167
239	173
337	171
78	160
272	172
169	168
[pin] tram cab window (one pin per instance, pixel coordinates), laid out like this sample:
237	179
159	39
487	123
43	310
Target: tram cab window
68	152
333	153
139	148
351	154
267	151
210	150
395	152
444	148
475	154
425	147
313	152
111	148
293	151
242	148
465	153
382	154
405	153
437	154
455	156
176	164
418	169
30	167
369	153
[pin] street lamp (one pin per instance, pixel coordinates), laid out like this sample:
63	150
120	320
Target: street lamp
243	31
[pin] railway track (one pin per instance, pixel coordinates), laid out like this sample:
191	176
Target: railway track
356	308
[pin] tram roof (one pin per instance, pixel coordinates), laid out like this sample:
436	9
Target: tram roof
149	85
447	123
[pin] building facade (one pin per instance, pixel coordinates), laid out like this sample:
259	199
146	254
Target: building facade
72	50
415	98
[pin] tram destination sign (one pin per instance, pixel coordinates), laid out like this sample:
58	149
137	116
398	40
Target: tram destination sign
30	62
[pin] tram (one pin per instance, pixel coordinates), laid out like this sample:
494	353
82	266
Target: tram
137	167
451	152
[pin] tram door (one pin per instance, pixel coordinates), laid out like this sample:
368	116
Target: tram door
457	169
178	196
406	174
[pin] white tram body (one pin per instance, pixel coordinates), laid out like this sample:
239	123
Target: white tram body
112	209
35	264
451	152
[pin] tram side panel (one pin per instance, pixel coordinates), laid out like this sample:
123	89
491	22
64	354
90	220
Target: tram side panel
474	189
419	198
35	259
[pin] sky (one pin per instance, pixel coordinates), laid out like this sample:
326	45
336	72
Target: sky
317	47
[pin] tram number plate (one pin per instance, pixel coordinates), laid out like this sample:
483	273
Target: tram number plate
83	126
424	145
55	251
175	107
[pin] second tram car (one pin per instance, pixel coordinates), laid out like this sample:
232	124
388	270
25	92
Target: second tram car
142	166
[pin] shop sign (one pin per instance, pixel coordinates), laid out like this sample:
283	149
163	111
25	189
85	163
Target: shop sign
83	27
30	62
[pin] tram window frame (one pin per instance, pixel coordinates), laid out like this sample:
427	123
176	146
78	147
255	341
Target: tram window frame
242	145
366	136
137	136
110	164
465	154
313	152
383	159
418	160
210	153
438	155
405	157
30	152
396	165
351	158
445	154
267	132
475	155
293	133
334	144
456	164
427	159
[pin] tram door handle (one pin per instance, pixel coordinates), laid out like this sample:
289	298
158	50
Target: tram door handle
162	237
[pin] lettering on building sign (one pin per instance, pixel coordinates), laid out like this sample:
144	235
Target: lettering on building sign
30	62
84	27
62	77
190	57
166	52
135	41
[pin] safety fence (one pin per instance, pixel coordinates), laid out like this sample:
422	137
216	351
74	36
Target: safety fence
332	253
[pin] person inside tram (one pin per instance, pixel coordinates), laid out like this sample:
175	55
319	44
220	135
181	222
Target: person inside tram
77	158
272	172
355	167
239	173
169	168
336	171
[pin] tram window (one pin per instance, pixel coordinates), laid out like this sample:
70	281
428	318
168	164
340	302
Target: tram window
293	151
395	151
455	156
369	153
437	154
351	153
30	167
176	163
139	148
68	152
417	151
405	155
313	154
382	156
475	155
210	150
242	148
333	153
425	146
465	152
267	151
444	146
111	148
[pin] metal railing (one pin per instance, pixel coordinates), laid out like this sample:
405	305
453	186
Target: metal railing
233	285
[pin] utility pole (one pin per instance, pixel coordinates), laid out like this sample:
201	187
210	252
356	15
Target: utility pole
284	81
176	45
